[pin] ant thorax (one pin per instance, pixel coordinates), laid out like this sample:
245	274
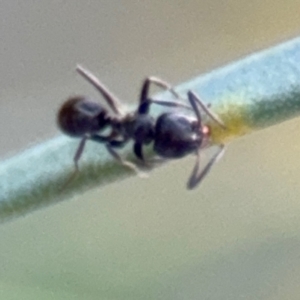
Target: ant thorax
139	127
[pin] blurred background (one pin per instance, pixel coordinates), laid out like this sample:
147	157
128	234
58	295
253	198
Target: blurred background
236	237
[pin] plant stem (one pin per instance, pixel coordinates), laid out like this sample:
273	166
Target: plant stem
258	91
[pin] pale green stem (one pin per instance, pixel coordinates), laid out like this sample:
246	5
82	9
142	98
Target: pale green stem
256	92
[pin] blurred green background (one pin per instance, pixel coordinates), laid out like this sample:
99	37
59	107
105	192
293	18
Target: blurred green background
236	237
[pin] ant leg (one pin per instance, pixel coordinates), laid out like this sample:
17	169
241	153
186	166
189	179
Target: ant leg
144	104
194	98
138	151
197	177
110	145
123	162
107	139
169	103
157	160
79	152
195	108
110	98
76	159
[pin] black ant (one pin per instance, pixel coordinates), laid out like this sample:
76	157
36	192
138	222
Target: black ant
174	135
84	118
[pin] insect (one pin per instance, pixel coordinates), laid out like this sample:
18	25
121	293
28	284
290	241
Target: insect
173	135
84	118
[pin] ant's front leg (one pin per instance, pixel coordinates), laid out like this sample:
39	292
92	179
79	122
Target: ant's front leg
195	99
196	176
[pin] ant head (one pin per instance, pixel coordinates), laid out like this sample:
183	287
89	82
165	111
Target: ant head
79	116
203	130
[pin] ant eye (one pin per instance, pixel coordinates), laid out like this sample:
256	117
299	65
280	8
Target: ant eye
206	130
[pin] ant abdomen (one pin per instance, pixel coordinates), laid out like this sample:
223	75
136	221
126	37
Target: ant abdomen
79	116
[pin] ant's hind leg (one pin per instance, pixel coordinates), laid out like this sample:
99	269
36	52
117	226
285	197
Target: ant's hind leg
195	108
110	98
125	163
196	177
76	159
78	153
